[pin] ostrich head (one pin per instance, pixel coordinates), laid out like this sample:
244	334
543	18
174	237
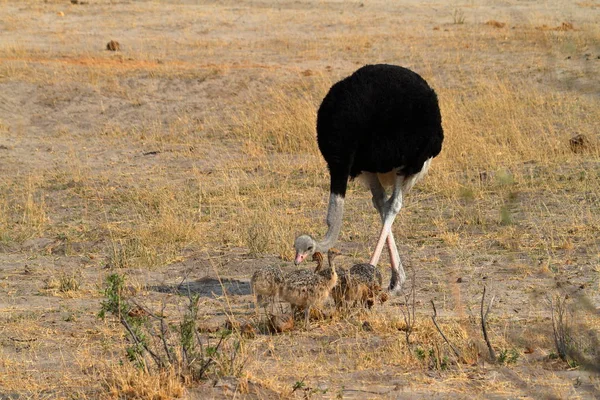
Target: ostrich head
333	253
305	247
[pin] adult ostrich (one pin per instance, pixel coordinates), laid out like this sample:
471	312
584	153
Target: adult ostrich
382	124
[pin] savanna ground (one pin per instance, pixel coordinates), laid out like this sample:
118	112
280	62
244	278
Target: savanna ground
187	159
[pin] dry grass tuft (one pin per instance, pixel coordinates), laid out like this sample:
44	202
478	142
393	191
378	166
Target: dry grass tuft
495	24
23	209
128	382
563	27
282	119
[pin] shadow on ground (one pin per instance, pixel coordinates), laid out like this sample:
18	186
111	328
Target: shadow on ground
208	287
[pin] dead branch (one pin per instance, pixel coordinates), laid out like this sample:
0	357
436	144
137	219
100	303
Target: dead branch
210	360
560	326
299	384
163	333
22	340
137	341
409	313
433	318
484	324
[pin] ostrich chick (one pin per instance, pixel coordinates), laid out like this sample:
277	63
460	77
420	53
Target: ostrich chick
308	289
266	283
362	284
366	284
340	290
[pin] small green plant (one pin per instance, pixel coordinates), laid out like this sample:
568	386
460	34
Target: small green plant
113	296
506	356
437	361
433	358
115	304
552	356
299	385
467	193
169	347
506	215
572	363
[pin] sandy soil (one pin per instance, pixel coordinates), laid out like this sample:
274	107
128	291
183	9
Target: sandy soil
89	125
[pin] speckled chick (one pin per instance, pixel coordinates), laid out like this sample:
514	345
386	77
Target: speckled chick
266	283
304	288
361	284
366	284
338	293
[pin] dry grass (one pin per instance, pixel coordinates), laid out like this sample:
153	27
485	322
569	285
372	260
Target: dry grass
193	155
128	382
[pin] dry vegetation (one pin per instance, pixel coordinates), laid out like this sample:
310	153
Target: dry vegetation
187	158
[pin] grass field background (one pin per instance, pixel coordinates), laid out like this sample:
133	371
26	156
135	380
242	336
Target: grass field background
190	156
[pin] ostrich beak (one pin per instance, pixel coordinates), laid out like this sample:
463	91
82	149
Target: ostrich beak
299	258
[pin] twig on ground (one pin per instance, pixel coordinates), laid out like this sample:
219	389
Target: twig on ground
560	326
138	341
408	310
484	316
433	318
184	279
22	340
299	384
163	333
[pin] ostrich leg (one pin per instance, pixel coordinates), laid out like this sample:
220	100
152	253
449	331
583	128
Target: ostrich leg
379	202
306	317
398	274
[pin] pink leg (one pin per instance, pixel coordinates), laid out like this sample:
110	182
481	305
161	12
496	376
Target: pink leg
387	208
398	274
389	211
385	232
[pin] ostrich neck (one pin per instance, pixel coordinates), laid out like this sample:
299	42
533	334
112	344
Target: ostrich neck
330	260
333	277
332	265
319	258
335	214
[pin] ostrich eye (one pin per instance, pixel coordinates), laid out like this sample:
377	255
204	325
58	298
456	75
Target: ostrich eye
310	248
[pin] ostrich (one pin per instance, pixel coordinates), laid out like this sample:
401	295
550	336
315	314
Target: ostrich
306	288
382	123
266	283
366	280
361	284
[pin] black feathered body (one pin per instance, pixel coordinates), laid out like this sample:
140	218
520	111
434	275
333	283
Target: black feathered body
381	118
